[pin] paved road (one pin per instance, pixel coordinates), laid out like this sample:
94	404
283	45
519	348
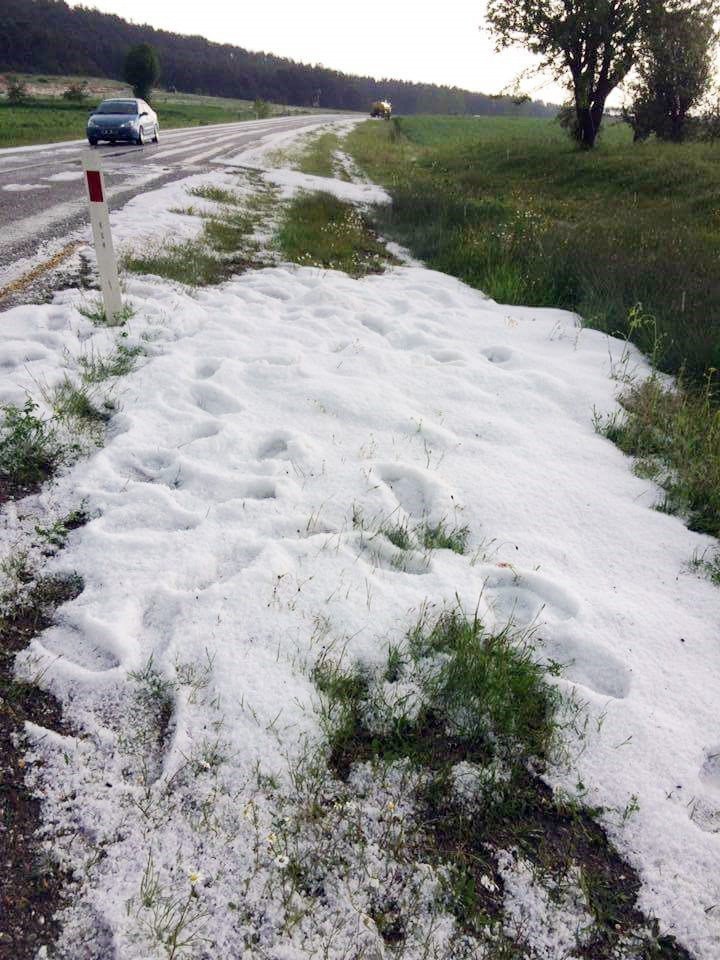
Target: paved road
42	194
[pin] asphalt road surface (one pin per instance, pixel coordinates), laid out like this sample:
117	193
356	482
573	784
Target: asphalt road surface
42	193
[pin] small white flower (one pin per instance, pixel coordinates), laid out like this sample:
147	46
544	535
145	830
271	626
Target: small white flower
374	883
195	877
488	883
282	861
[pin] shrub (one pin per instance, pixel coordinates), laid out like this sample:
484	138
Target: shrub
17	91
76	92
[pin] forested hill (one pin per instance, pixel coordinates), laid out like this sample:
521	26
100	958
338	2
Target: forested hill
48	36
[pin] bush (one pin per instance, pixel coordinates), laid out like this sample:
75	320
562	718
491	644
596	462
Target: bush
76	92
17	91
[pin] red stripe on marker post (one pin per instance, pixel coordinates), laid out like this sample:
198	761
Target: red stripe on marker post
94	184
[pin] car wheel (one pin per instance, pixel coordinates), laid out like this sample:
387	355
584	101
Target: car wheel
140	137
92	141
156	138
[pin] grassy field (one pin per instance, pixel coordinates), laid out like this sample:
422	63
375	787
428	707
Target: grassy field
627	235
48	118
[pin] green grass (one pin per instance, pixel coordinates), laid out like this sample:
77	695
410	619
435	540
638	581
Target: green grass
78	402
318	230
317	158
511	207
674	435
188	262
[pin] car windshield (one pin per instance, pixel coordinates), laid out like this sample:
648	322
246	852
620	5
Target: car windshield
118	106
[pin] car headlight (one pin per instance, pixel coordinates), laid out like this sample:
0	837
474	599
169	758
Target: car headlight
128	123
92	122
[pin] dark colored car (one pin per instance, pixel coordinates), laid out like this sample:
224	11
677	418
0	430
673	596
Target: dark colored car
132	121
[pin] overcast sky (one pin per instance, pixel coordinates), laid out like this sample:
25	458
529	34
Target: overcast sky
424	40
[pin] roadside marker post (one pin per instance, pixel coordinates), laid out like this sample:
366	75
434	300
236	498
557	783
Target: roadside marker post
100	220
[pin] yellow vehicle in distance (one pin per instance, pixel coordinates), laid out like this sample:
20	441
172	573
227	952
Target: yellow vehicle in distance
381	108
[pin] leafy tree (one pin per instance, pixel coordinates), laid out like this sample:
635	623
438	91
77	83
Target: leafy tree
675	69
262	108
142	69
590	44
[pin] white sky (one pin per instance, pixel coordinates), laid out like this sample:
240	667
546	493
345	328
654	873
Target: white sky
420	40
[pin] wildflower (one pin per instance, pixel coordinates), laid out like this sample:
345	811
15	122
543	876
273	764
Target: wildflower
195	877
374	883
391	806
281	861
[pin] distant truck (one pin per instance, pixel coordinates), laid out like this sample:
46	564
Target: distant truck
381	108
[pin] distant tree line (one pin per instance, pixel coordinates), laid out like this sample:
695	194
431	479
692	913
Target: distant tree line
48	36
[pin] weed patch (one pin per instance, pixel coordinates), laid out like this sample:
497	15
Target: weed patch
467	721
29	450
318	157
674	434
318	230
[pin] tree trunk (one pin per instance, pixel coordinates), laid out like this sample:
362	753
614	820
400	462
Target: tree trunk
587	131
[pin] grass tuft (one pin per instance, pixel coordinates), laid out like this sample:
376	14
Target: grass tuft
441	536
72	401
216	194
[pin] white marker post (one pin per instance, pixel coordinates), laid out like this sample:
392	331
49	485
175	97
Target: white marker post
100	220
